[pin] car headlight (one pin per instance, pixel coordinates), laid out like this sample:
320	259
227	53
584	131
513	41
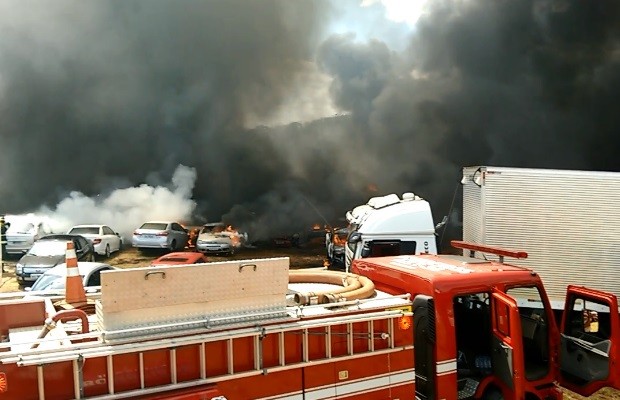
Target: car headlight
19	268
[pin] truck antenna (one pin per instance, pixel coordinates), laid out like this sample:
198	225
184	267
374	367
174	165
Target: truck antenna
315	209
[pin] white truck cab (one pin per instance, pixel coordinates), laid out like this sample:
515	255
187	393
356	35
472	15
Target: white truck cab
390	225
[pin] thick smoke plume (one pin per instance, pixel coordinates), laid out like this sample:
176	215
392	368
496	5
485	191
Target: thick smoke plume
94	96
126	209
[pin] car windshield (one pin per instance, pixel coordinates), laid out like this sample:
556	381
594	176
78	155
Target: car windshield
212	229
154	225
21	227
84	230
49	281
46	248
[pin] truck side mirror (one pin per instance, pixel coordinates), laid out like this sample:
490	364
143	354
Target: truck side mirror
590	321
442	223
354	237
365	251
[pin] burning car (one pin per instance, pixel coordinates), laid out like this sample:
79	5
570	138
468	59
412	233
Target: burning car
220	238
335	240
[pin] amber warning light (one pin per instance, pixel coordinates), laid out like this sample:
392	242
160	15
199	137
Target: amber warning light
404	322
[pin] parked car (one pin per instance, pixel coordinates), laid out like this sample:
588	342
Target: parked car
103	238
219	238
23	232
48	252
160	235
180	258
54	279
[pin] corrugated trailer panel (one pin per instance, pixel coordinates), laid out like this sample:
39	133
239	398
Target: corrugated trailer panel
567	221
472	206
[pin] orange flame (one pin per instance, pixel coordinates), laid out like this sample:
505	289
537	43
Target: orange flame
4	384
235	237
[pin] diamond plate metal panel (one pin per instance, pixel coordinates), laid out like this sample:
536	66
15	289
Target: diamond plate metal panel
176	294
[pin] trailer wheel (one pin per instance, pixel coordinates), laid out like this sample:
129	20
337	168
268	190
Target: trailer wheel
493	394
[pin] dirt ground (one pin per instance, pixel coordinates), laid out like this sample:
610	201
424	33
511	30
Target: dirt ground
309	256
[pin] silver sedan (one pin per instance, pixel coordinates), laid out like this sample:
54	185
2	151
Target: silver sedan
160	235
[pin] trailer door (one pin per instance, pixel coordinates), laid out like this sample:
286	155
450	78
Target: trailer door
507	351
590	333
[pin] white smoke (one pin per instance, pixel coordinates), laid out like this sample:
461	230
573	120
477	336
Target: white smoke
126	209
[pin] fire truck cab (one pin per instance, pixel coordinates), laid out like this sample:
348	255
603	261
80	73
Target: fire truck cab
486	329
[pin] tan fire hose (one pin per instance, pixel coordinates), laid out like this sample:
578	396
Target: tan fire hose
352	287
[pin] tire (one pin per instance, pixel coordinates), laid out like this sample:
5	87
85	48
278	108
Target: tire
493	394
173	245
107	251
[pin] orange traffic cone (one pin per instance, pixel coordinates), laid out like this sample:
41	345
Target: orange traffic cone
75	293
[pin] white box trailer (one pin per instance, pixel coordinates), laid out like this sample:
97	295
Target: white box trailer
567	221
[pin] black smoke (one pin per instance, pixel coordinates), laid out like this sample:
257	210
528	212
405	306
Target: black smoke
100	96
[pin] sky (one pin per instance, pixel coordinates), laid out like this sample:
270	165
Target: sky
276	115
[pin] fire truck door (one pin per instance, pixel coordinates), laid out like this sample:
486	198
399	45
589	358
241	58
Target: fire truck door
507	350
589	341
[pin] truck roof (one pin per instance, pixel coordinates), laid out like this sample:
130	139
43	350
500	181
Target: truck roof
393	215
439	272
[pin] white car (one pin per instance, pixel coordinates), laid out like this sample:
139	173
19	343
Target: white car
160	235
23	232
104	239
54	279
219	238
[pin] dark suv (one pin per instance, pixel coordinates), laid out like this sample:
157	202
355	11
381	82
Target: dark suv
49	251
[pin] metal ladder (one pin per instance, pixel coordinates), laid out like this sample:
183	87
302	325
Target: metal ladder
303	327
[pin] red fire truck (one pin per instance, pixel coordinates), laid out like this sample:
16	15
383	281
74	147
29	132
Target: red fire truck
255	330
486	330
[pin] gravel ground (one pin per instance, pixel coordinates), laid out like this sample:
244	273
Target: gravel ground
306	257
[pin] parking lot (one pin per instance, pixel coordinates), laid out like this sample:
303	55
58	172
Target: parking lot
310	256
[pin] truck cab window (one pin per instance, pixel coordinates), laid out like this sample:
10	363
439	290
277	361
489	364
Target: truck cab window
535	331
588	320
586	341
472	324
384	248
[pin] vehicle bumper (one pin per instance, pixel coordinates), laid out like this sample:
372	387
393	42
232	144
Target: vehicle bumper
28	276
151	243
338	258
214	247
99	248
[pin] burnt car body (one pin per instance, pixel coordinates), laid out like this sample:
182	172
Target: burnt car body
220	238
335	241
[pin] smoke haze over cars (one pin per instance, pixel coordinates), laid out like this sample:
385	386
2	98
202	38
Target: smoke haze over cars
275	115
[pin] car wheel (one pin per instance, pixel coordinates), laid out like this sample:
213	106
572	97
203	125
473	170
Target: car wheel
173	245
107	251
